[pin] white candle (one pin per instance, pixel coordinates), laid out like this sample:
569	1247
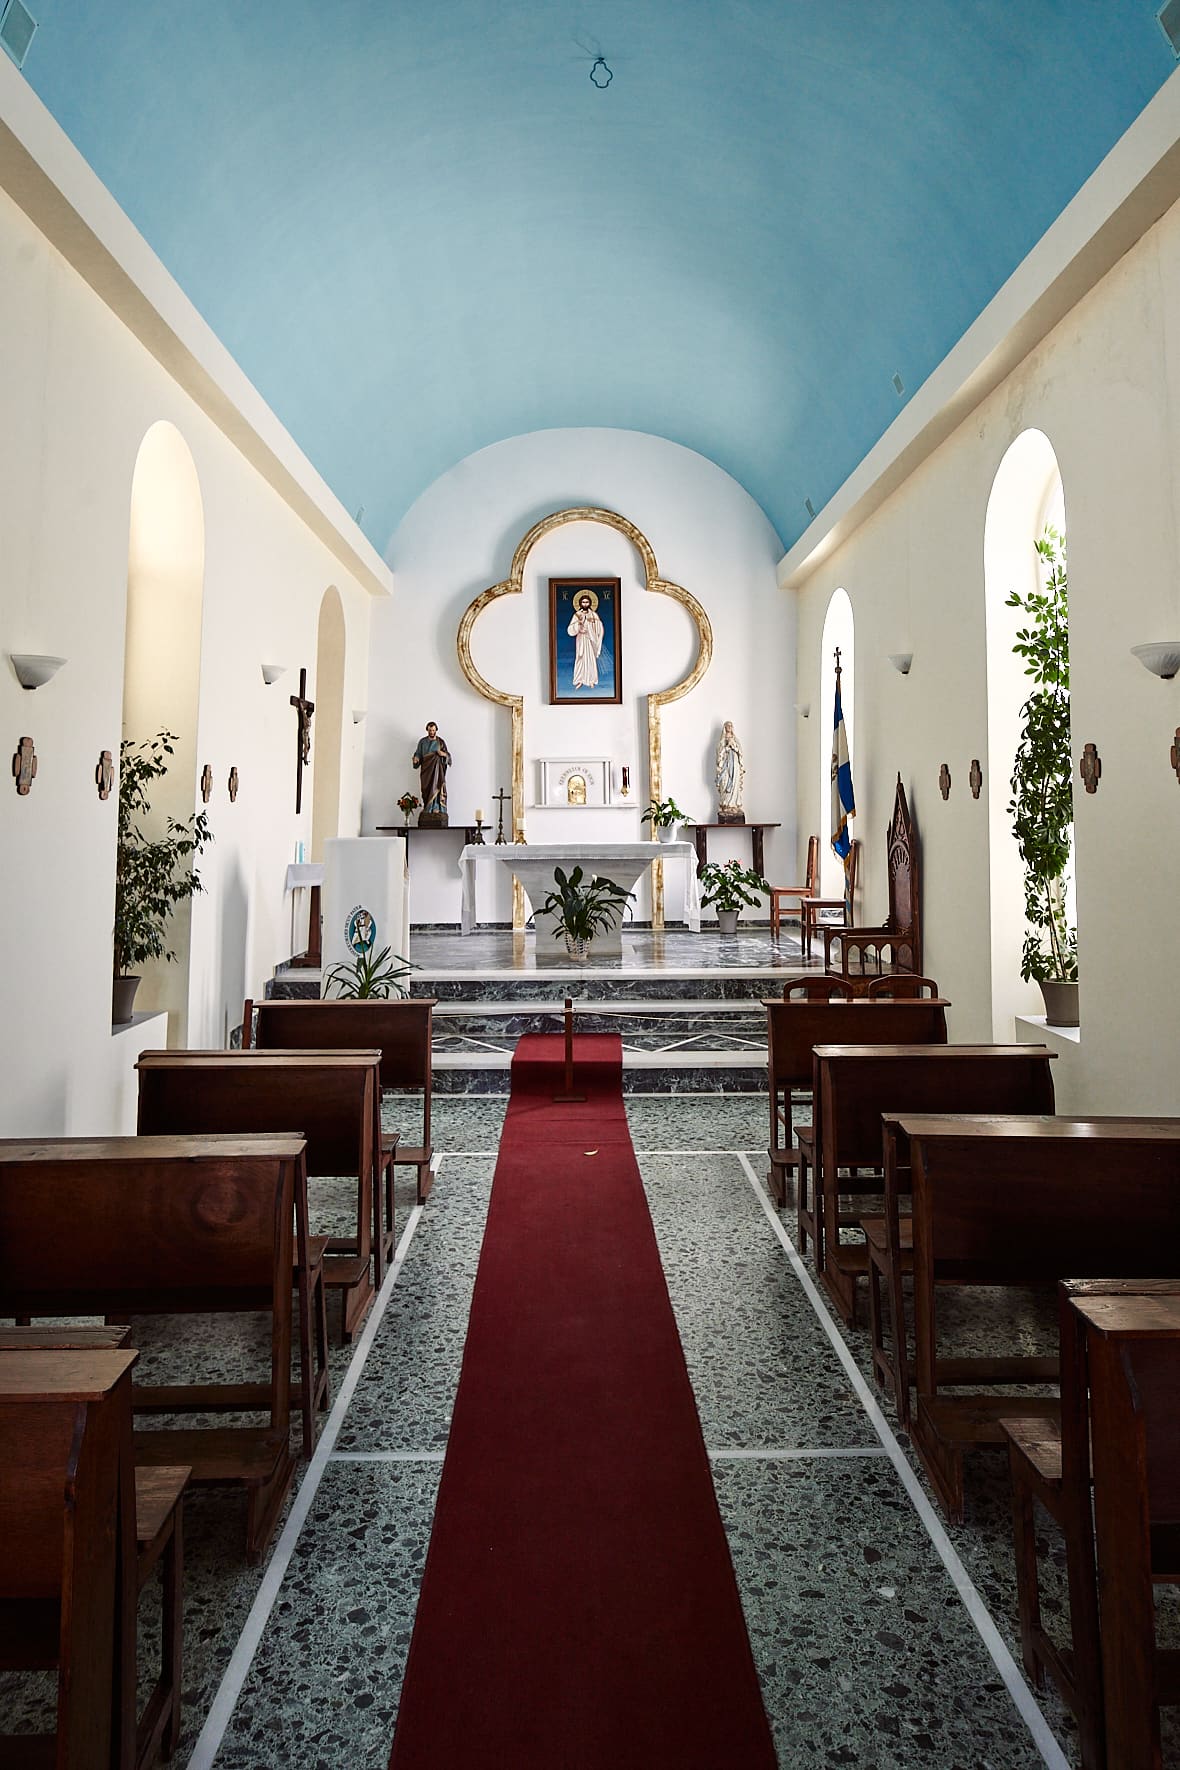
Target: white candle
479	817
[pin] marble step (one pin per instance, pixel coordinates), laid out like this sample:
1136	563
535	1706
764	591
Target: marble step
644	1072
642	1024
616	986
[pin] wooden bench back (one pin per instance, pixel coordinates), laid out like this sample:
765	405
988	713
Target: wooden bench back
1018	1201
329	1098
793	1028
67	1525
401	1030
859	1084
125	1225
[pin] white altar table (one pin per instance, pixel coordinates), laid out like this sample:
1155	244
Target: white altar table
533	865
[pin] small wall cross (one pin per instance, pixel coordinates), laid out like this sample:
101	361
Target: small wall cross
1174	753
104	774
24	766
206	783
944	781
303	710
233	785
975	778
1090	767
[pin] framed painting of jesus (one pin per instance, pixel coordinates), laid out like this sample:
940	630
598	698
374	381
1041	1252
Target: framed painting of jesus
585	641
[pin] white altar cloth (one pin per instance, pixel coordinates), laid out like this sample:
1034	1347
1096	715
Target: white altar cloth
533	865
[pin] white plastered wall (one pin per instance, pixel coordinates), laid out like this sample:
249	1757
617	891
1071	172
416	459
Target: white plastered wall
80	394
1104	387
708	535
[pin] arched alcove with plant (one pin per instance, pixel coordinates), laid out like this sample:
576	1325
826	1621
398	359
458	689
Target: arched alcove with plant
161	685
1033	924
839	632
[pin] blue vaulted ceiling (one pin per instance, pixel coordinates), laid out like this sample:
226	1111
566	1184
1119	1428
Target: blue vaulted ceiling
420	228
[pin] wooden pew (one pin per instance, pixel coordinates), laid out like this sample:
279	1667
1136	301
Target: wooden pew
159	1541
792	1029
1133	1359
1025	1201
1050	1463
856	1085
331	1099
67	1570
400	1029
167	1225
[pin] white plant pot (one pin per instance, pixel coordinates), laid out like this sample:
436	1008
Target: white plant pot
577	949
666	832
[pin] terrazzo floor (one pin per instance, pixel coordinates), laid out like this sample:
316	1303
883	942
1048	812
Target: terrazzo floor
867	1650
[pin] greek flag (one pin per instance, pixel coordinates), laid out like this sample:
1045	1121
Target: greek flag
843	798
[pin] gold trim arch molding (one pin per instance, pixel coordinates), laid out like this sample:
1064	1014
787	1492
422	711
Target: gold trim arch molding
513	585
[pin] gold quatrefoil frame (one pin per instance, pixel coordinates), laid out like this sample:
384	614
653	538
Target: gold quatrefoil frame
513	585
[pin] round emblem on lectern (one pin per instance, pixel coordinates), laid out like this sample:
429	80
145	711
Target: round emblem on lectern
360	930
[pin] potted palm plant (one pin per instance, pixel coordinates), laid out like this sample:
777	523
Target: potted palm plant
370	976
730	886
663	815
1041	806
584	907
151	877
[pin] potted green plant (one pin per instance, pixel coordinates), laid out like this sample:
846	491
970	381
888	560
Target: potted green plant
1041	806
406	804
151	877
370	976
584	908
729	885
663	815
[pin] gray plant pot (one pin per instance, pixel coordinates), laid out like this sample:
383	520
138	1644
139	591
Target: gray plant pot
123	1000
727	921
666	832
1061	1004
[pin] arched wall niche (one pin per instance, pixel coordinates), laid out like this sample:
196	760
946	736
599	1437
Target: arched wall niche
162	666
839	630
654	582
328	722
1026	494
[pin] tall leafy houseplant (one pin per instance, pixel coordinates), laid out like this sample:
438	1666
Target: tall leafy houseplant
151	877
1041	807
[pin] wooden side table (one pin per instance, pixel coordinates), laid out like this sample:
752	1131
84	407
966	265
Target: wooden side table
700	835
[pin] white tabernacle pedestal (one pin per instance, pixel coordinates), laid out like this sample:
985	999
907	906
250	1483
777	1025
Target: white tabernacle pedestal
533	864
365	872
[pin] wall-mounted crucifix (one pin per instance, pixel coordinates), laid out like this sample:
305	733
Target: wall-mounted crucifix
304	710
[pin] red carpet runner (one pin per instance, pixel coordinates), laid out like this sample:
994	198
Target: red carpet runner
579	1609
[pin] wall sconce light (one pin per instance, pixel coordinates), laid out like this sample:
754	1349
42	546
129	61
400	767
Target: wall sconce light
358	715
1162	657
272	672
33	669
901	661
803	708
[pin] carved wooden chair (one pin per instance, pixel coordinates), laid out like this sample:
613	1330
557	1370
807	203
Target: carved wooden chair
784	893
902	986
898	941
815	988
816	907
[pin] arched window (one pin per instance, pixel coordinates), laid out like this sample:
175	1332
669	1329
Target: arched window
838	633
1027	497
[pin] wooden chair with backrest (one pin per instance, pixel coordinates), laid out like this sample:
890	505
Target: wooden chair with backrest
857	1085
401	1029
792	1029
816	988
900	986
67	1522
815	913
1017	1202
159	1494
1050	1464
780	894
331	1098
168	1225
899	938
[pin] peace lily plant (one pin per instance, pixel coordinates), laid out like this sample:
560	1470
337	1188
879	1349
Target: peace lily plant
1041	807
